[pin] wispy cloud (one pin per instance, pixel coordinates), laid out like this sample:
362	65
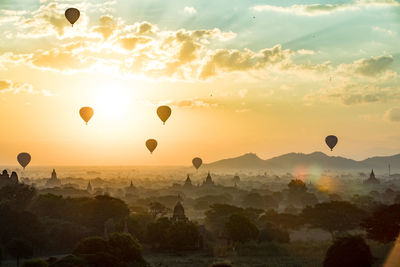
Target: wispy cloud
324	9
393	115
7	86
190	10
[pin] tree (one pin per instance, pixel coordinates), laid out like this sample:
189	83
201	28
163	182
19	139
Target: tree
137	224
19	248
348	252
119	250
24	225
218	215
240	229
270	202
335	216
50	205
384	224
156	209
297	191
157	232
125	248
254	200
282	220
183	235
309	199
297	186
17	196
272	233
91	245
62	235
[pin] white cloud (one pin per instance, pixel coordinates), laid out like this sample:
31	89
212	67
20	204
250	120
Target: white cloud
190	10
305	52
324	9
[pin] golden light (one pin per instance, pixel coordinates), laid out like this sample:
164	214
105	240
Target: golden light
112	102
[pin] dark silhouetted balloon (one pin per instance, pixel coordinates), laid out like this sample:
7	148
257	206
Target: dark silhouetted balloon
86	113
163	113
24	159
72	15
197	162
331	141
151	144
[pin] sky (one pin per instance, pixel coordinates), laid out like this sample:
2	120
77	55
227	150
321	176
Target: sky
268	77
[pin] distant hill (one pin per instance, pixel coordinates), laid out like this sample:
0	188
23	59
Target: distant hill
289	161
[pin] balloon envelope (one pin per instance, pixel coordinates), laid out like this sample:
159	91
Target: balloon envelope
151	144
72	15
197	162
24	159
163	113
86	113
331	141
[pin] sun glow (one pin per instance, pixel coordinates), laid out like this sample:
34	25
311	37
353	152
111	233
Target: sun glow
112	102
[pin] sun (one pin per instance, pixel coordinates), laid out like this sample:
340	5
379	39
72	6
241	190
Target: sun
112	102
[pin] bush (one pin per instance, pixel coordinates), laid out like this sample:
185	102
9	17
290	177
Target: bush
348	252
35	263
91	245
120	249
70	261
125	248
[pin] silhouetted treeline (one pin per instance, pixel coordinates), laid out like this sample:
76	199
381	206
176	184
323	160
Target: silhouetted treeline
105	229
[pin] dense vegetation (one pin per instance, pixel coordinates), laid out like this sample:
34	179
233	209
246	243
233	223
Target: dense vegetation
104	231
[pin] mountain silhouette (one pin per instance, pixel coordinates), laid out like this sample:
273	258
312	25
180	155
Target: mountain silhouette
291	160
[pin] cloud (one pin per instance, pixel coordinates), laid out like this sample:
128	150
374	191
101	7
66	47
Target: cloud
234	60
107	26
130	43
146	28
370	67
324	9
359	94
242	93
305	52
115	47
382	30
61	59
190	10
194	103
393	115
5	85
10	86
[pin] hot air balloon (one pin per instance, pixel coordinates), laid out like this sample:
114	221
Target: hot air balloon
197	162
331	141
163	113
72	15
86	113
151	144
24	159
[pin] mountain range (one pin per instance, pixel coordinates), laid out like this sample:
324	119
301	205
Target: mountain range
319	159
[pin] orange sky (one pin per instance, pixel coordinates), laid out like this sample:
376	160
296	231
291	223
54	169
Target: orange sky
231	91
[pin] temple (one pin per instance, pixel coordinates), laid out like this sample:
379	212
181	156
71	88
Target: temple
179	212
89	188
208	181
5	179
53	181
372	179
188	182
130	189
